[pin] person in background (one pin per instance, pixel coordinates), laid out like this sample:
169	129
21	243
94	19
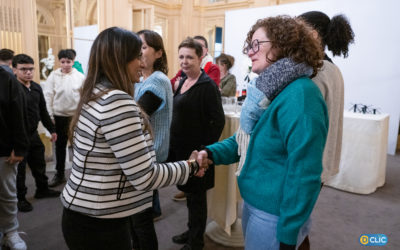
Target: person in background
337	35
114	167
207	64
279	144
14	145
154	95
77	65
210	69
198	119
23	66
6	56
228	81
62	96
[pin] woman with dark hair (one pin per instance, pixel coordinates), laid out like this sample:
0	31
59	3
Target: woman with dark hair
114	169
337	35
281	138
198	119
228	81
154	95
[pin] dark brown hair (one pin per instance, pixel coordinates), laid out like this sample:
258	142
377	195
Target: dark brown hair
226	59
154	40
6	54
111	51
336	33
66	53
291	38
21	59
189	42
203	39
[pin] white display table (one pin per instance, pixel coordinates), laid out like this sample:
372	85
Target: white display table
223	199
363	157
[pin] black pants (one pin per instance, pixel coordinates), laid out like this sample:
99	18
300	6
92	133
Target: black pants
143	232
62	127
83	232
197	207
37	164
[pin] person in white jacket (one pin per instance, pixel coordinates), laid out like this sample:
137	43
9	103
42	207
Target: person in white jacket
62	96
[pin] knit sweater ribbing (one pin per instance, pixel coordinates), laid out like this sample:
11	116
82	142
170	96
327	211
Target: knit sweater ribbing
159	84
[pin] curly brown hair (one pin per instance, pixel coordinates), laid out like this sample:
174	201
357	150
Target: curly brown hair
291	38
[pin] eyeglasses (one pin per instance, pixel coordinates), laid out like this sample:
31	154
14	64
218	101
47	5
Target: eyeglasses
25	70
254	45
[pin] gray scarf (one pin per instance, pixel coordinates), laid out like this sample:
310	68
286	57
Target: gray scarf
261	93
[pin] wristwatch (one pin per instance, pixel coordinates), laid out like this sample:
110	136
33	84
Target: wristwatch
194	167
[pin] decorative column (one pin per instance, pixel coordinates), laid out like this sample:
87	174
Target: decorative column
29	32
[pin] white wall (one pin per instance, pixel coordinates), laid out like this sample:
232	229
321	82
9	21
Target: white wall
371	71
83	39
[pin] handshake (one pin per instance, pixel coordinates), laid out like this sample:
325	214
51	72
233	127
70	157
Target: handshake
198	163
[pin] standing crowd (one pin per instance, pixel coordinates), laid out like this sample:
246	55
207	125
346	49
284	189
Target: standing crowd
134	131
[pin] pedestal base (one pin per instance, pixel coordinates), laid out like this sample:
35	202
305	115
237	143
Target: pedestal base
217	234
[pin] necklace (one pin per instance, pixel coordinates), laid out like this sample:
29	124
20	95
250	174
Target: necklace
189	83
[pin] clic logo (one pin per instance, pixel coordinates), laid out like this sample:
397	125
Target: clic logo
373	239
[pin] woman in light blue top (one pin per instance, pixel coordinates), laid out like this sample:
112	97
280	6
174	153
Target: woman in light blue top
154	94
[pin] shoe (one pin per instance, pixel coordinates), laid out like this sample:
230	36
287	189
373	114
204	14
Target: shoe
181	196
186	247
157	217
181	238
13	241
56	181
24	206
47	193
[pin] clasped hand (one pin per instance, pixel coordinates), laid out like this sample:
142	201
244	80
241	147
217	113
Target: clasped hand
203	161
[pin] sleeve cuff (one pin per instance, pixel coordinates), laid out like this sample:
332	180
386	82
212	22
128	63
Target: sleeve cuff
209	152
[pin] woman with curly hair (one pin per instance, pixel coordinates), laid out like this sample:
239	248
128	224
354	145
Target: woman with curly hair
281	138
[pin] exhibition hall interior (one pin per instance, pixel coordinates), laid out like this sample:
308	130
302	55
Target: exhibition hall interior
164	122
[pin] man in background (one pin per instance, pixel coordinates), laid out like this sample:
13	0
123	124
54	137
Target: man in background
6	56
23	66
13	147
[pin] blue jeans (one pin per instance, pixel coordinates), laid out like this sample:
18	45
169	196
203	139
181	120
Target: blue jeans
260	229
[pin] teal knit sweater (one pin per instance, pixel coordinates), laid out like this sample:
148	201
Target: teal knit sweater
159	84
281	173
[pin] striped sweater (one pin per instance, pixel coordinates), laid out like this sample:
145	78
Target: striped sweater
114	169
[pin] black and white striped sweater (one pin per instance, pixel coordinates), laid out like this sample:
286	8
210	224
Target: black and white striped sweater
114	169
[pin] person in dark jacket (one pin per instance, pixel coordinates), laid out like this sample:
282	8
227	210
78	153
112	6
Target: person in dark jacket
197	119
13	146
23	67
6	56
